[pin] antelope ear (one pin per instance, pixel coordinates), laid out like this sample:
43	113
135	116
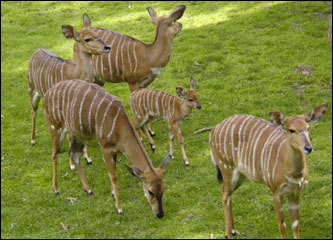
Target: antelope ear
193	83
177	13
69	32
135	171
277	119
152	15
180	91
164	163
86	20
315	114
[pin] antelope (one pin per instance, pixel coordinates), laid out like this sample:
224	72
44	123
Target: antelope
245	146
87	111
147	104
133	61
46	68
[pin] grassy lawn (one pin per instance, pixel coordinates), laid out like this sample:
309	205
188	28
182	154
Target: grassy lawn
244	57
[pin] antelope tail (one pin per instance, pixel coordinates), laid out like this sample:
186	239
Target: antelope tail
202	130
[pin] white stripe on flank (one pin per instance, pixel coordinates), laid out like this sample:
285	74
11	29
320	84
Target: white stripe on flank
277	158
267	155
80	109
48	72
255	149
164	111
268	167
58	104
122	56
36	73
117	68
42	80
91	105
105	113
61	71
128	56
243	153
109	55
152	101
96	113
136	61
249	148
56	77
53	103
219	141
54	62
63	100
225	137
232	139
102	56
173	107
68	105
263	161
157	103
114	122
73	109
239	156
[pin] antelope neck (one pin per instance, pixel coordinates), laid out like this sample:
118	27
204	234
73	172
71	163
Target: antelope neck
84	68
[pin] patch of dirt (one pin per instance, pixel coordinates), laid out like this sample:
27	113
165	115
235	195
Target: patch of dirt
305	70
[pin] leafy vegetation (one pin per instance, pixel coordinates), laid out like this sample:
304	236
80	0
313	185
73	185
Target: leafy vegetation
244	57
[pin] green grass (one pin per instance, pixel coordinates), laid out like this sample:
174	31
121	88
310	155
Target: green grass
248	52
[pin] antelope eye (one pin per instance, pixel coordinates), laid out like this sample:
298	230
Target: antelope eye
191	100
291	130
151	193
87	40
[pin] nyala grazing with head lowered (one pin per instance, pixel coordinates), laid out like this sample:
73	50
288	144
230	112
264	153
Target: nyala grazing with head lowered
273	154
89	112
147	104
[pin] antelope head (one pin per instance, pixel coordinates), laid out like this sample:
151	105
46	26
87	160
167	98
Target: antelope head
297	126
86	38
153	186
167	25
191	97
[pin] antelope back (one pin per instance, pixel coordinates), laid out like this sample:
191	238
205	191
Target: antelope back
45	70
85	110
148	102
250	144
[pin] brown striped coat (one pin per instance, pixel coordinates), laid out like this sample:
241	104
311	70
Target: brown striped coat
89	112
133	61
147	104
246	146
46	68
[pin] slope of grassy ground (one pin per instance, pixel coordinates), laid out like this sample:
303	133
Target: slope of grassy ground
244	57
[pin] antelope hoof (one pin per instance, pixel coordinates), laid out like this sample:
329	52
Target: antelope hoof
152	147
89	192
120	211
234	232
33	142
56	192
151	133
187	164
72	167
88	160
172	157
